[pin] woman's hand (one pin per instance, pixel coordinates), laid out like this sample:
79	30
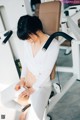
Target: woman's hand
24	96
22	83
27	92
28	81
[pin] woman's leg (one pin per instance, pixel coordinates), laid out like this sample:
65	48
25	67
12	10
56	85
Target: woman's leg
39	102
22	116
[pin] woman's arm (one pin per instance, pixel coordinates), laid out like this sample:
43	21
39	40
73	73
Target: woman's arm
47	66
26	81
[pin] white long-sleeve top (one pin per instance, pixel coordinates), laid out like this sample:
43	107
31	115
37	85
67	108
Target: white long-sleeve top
42	64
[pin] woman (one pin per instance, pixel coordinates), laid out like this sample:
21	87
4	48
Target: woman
37	66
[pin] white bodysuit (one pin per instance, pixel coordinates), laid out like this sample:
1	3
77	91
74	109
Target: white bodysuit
41	66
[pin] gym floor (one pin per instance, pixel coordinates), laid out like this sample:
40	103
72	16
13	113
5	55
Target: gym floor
68	108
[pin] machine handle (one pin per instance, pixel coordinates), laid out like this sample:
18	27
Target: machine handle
54	35
7	35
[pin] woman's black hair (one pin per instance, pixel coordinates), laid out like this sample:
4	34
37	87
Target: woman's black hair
28	25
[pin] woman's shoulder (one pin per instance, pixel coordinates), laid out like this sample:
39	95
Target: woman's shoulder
26	44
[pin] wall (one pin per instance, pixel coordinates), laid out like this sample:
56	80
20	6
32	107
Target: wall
28	8
10	11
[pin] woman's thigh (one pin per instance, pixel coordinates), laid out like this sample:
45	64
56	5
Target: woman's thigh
38	101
